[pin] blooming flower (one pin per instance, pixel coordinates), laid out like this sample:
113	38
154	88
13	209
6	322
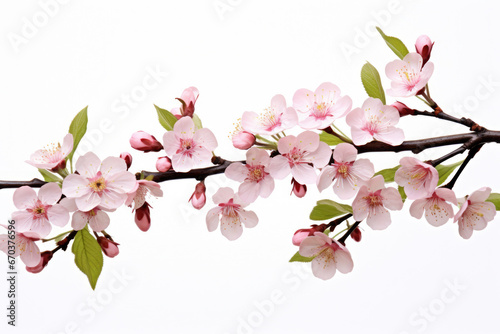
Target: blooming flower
319	109
372	200
231	213
188	97
141	190
37	212
105	184
25	247
329	255
52	156
254	175
437	210
349	174
418	178
407	75
475	213
143	141
297	153
97	218
188	147
375	121
273	120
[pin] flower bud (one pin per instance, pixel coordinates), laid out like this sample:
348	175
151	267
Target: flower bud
301	234
145	142
128	158
163	164
403	109
44	260
109	248
143	217
188	99
198	198
298	189
356	235
243	140
424	47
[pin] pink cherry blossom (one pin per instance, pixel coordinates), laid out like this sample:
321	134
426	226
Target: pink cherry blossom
231	213
189	96
143	141
109	247
475	213
298	189
127	157
349	174
199	198
418	178
424	45
143	217
437	210
375	120
297	153
273	120
141	191
25	246
372	202
329	255
37	212
45	257
97	218
53	155
105	184
319	109
407	75
254	175
163	164
187	146
241	139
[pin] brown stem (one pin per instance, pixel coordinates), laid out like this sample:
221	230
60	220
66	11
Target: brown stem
348	233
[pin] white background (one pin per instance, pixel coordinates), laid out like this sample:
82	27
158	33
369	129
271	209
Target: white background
178	277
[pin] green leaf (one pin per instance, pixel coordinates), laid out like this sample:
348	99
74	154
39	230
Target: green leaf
445	171
88	255
48	176
495	199
394	44
388	173
371	82
77	128
326	209
299	258
402	193
197	122
167	120
329	139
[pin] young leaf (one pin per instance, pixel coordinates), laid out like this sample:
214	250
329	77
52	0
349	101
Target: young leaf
495	199
197	122
48	176
445	171
329	139
167	120
394	44
326	209
371	82
77	128
388	173
299	258
88	255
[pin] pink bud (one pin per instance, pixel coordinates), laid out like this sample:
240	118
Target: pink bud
356	235
424	47
301	235
198	198
298	189
143	217
145	142
163	164
243	140
128	158
403	109
44	260
109	248
188	99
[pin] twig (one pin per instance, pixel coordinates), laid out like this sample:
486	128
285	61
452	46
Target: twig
471	155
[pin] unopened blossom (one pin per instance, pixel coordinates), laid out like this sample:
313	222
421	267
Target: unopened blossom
424	47
254	175
348	173
436	206
231	214
127	157
139	194
188	99
273	120
418	178
303	233
105	184
188	147
375	121
329	255
298	189
109	247
163	164
53	156
37	212
143	217
45	257
143	141
403	109
356	234
319	109
296	156
25	246
372	202
409	75
199	198
475	213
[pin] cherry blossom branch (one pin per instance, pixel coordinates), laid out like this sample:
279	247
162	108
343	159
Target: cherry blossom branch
439	113
471	155
348	233
63	244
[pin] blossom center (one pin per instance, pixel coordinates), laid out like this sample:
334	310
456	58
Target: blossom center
39	210
372	125
230	209
270	119
186	146
51	153
373	199
294	156
98	184
320	110
256	173
343	169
